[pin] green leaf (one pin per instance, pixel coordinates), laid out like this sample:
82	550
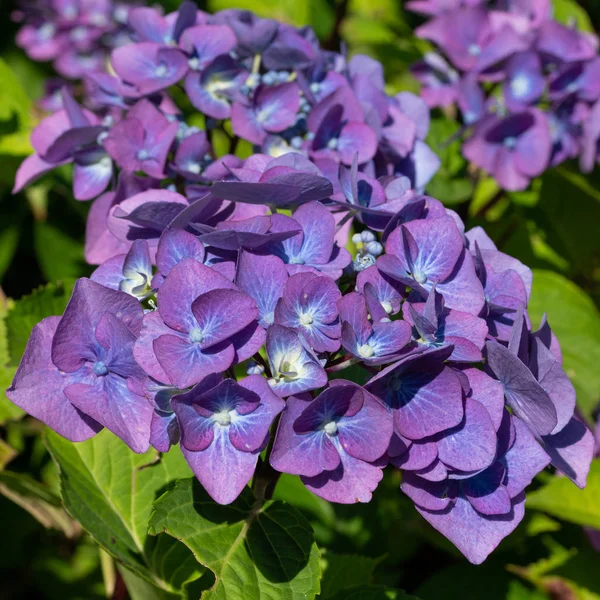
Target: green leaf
343	571
8	410
259	552
29	310
7	453
569	12
290	11
572	234
15	115
38	501
58	254
291	489
576	322
373	592
140	589
110	490
560	498
463	581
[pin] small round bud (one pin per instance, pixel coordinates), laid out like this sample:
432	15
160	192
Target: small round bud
357	238
367	236
374	248
254	368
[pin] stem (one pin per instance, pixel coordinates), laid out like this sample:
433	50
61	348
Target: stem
256	64
109	573
490	203
259	359
345	219
343	365
265	476
335	37
233	143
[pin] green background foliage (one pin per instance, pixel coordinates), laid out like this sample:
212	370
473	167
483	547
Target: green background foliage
93	520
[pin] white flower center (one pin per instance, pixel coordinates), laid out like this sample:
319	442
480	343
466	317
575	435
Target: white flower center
366	351
306	319
223	418
330	428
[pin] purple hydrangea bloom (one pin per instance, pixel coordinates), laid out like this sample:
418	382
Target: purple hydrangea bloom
427	252
438	326
424	395
477	512
131	273
224	428
514	149
212	265
294	367
376	342
309	305
187	339
314	248
333	441
546	73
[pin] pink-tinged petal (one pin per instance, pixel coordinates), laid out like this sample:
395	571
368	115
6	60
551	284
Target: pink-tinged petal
436	496
248	432
463	290
401	133
277	106
419	456
112	403
186	281
175	245
186	363
524	460
571	451
534	147
149	66
222	470
356	138
262	278
90	180
49	130
38	388
150	26
110	273
475	535
508	173
352	481
486	493
301	454
318	227
143	350
487	391
74	340
245	123
209	309
31	169
248	342
366	435
436	255
206	42
355	322
100	243
472	445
